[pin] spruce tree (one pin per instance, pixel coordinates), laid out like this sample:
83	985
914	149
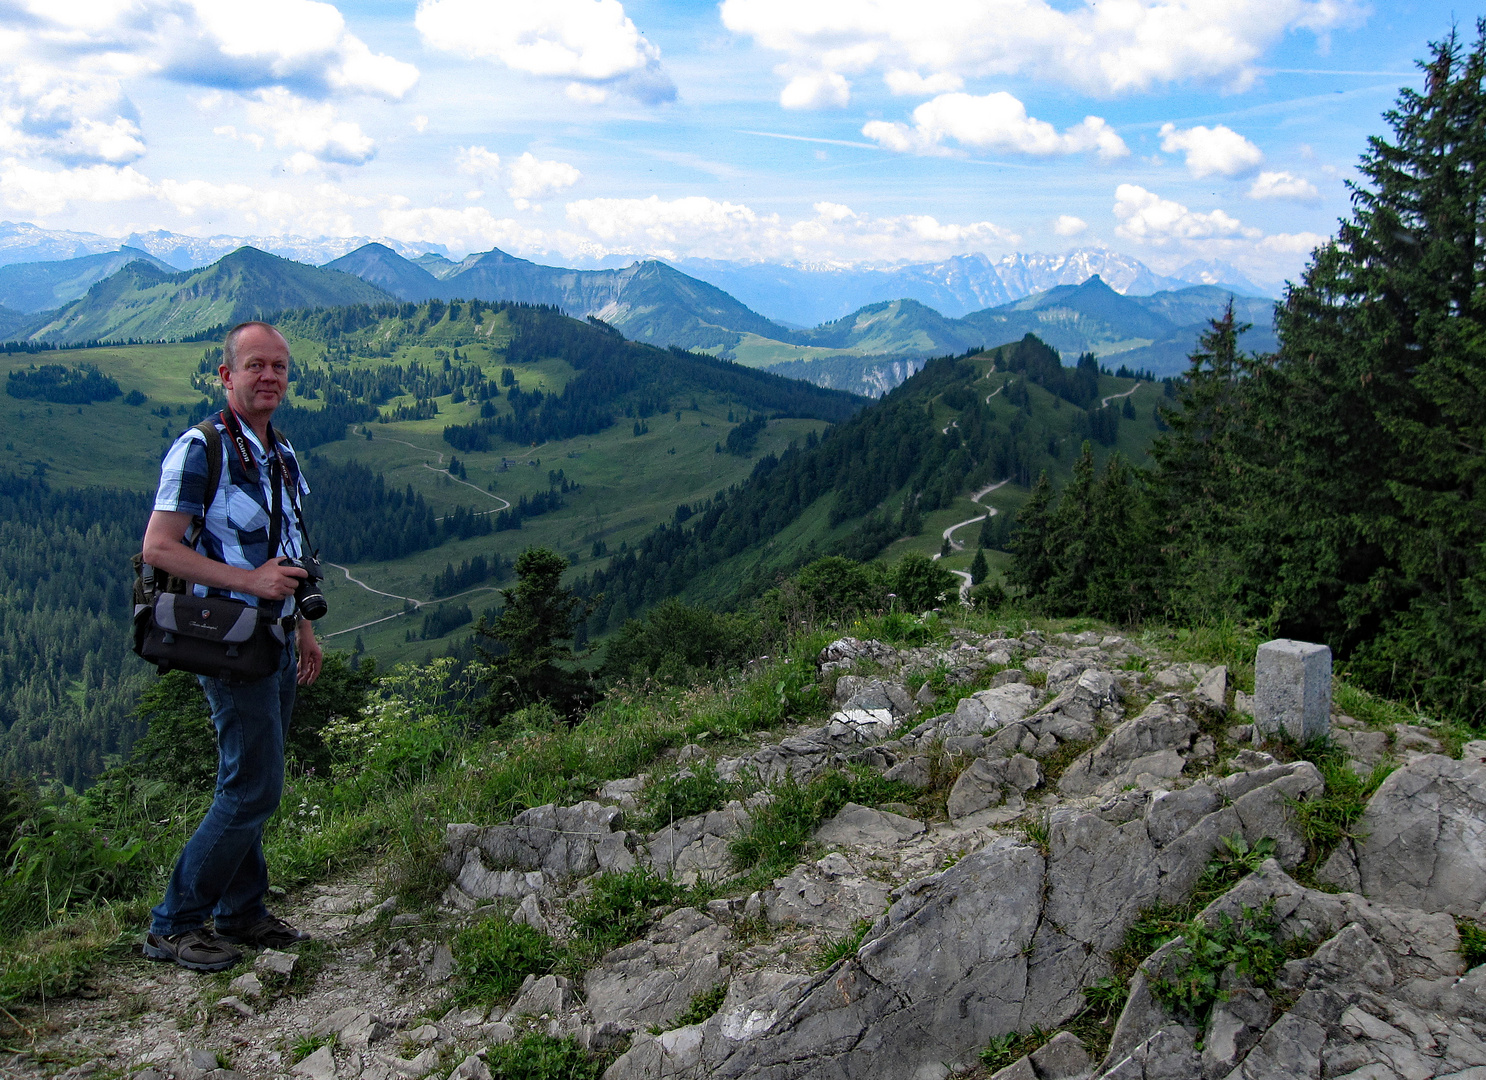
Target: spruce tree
1032	562
1379	402
978	567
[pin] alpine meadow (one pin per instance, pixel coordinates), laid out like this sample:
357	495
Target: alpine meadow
708	695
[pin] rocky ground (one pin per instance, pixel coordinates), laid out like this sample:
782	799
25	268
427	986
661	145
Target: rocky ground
1089	785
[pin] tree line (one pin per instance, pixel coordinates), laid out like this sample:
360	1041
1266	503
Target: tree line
1334	491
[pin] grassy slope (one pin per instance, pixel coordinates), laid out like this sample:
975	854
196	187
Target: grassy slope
629	484
811	532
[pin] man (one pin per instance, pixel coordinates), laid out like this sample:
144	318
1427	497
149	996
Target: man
221	873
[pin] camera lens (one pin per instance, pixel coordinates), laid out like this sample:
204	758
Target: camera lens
311	602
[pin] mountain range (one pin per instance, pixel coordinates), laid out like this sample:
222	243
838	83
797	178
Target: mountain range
868	351
141	301
808	296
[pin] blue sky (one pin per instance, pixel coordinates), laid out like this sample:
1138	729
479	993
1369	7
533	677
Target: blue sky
807	131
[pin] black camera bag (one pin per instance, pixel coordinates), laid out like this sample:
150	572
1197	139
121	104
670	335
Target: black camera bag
214	636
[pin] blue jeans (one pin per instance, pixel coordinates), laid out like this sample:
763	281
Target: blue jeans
221	872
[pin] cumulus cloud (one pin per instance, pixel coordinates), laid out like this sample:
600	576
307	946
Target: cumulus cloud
1301	243
65	66
312	129
816	90
590	43
1283	185
1101	48
1068	225
1147	218
479	162
42	192
531	178
992	122
912	84
1217	151
471	228
709	228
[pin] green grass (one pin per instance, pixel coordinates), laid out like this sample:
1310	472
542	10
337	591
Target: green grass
1188	979
541	1057
619	907
1472	942
495	955
780	832
695	789
842	946
702	1006
1006	1049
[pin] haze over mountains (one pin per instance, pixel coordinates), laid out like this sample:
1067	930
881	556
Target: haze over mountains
1133	317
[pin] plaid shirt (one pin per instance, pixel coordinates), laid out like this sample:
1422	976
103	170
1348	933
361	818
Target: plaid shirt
236	529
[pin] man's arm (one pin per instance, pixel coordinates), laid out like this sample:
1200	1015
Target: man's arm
163	549
310	655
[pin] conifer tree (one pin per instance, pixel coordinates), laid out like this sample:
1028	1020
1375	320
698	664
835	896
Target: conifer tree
1032	563
978	567
1380	400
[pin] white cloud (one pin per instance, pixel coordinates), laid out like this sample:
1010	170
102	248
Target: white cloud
420	124
1147	218
1302	243
584	94
531	178
478	161
472	228
1111	47
43	192
591	42
1068	225
1283	185
992	122
313	129
65	66
707	228
912	84
817	90
1217	151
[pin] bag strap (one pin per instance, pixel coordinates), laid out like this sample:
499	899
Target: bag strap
208	429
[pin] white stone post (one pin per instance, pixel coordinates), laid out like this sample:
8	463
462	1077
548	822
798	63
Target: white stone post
1292	690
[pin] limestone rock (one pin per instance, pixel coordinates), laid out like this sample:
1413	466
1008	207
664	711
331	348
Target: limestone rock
1212	691
317	1066
697	847
988	710
247	985
652	980
913	771
830	894
471	1068
1425	843
275	963
985	783
1061	1058
861	826
1151	743
549	995
560	842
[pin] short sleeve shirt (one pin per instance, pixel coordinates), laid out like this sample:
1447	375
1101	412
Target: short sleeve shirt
236	529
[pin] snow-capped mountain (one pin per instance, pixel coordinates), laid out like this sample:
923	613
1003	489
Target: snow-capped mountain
810	295
22	242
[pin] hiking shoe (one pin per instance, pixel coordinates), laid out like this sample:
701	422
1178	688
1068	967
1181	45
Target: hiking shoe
269	932
199	950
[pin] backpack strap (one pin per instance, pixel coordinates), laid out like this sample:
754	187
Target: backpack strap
208	429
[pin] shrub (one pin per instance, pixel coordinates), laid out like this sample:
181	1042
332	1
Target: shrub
673	643
835	586
1472	942
920	583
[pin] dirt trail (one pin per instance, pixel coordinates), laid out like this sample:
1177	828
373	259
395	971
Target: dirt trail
1116	397
949	533
417	603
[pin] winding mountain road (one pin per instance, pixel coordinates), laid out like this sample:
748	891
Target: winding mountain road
417	603
1116	397
949	533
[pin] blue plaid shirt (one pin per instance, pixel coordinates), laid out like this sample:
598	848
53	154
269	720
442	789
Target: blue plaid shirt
237	522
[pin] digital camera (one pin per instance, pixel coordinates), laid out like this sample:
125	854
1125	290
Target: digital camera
307	597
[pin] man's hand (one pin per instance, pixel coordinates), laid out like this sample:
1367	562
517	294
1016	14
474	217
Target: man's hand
274	582
310	654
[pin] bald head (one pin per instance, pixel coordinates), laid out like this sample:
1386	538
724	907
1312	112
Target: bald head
232	344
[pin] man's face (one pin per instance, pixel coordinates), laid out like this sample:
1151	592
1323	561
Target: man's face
261	379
